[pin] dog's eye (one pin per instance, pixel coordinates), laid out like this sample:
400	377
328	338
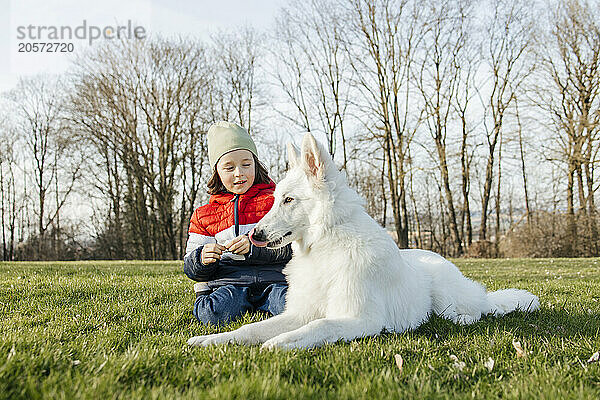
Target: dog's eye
287	200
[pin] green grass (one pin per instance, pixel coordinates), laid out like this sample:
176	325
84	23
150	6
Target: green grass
119	329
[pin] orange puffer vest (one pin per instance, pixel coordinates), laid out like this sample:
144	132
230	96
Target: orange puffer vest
216	221
219	222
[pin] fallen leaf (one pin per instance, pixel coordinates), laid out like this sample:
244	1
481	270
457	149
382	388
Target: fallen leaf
489	364
594	358
460	365
399	362
519	349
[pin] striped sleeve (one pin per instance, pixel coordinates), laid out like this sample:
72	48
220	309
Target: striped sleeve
198	235
196	240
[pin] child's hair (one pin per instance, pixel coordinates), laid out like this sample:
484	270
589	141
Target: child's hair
260	176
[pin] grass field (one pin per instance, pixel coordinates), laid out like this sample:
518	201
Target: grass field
119	329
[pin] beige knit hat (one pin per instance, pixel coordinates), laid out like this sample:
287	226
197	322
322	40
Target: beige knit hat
224	137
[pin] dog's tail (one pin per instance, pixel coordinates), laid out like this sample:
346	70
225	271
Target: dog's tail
508	300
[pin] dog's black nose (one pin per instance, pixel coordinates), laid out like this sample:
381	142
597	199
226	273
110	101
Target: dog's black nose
259	235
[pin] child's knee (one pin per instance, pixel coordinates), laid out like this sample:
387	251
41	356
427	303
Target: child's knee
224	305
207	316
277	299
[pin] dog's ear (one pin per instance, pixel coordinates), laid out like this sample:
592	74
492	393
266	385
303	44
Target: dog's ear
315	159
293	155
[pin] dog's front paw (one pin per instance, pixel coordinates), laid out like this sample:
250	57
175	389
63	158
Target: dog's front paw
198	340
284	342
271	344
207	340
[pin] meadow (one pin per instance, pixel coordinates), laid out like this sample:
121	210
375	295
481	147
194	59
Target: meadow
119	330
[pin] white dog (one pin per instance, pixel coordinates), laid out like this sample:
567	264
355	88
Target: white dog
347	278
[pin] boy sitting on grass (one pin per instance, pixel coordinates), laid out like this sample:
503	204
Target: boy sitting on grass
234	276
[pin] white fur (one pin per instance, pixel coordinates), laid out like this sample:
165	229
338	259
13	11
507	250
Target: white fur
347	278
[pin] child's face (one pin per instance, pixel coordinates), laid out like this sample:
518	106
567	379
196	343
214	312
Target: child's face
236	170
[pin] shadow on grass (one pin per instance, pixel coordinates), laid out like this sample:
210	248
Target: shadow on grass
543	323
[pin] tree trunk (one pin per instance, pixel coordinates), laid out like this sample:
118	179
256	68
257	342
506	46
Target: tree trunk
455	236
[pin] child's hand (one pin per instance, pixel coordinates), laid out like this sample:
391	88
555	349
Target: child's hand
239	245
211	253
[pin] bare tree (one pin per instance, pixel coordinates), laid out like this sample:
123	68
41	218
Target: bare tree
437	78
235	58
10	202
55	166
570	62
140	102
522	160
462	105
313	71
507	40
381	42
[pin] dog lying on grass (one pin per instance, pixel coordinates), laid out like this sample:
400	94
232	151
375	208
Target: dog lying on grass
347	278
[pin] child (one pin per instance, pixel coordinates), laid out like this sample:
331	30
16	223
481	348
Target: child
234	276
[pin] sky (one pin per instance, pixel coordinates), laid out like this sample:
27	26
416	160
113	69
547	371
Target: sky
168	18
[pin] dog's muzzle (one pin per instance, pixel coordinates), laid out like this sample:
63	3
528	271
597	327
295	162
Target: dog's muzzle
258	237
277	242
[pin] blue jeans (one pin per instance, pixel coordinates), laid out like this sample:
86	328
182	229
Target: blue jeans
228	303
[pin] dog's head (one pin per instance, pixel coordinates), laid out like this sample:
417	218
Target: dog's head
305	200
